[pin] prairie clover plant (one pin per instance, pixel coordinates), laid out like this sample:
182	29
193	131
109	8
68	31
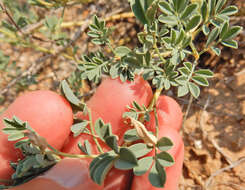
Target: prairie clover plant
168	57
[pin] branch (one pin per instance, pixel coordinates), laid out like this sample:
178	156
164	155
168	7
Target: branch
234	164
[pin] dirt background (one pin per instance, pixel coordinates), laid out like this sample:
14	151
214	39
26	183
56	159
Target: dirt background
214	126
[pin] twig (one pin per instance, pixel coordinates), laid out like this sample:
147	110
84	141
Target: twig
233	185
234	164
37	65
20	31
110	18
10	17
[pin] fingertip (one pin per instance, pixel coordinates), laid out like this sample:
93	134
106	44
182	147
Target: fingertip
174	136
170	113
174	172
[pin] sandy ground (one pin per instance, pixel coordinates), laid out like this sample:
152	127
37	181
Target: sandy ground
214	130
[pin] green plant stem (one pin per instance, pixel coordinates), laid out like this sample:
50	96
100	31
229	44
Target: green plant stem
56	152
111	48
44	3
203	51
188	109
195	52
155	98
157	123
93	133
157	49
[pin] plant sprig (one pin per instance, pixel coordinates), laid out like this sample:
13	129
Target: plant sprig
39	156
168	43
167	57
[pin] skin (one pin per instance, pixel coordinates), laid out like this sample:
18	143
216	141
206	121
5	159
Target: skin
170	121
109	103
112	97
173	173
48	113
169	113
69	174
117	179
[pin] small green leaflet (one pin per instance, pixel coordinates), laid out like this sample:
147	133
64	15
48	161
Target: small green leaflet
179	5
131	134
164	144
204	10
144	10
79	128
86	148
194	89
122	51
189	10
66	90
140	149
205	73
157	175
127	159
165	159
102	130
111	141
166	8
230	10
100	166
212	36
169	20
231	32
183	90
193	23
216	50
144	165
202	81
230	43
205	30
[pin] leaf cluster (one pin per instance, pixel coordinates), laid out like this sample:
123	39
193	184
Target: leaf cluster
124	157
168	47
138	112
131	157
36	157
156	164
